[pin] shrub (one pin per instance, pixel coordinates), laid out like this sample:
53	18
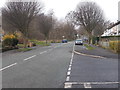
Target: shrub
52	41
115	46
10	41
7	42
11	36
14	42
55	41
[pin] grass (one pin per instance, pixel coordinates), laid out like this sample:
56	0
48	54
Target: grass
20	45
24	49
42	43
55	41
89	47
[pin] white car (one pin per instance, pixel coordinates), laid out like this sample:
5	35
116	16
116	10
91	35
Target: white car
79	42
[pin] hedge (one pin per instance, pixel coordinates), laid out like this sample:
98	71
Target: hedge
115	46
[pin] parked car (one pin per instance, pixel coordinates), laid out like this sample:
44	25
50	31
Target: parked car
64	41
79	42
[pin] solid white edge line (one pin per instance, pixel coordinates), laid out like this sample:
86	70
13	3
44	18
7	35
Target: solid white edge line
29	57
8	66
87	85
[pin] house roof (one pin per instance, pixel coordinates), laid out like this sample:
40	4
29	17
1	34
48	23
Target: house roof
113	25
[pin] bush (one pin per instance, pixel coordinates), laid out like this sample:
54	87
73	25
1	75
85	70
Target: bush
10	41
7	42
55	41
52	41
115	46
14	42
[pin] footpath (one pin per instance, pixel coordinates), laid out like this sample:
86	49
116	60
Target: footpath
98	51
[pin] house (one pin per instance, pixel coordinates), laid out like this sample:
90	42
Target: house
112	30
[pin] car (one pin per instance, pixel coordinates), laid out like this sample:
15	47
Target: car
79	42
64	41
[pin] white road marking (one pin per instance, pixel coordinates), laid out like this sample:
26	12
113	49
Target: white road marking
68	73
43	52
70	65
29	57
87	85
68	85
68	78
8	66
69	69
89	55
71	62
93	83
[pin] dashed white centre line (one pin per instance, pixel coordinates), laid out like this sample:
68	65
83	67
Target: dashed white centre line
29	57
8	66
43	52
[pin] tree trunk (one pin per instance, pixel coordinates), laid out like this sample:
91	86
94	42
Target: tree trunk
46	40
25	42
90	38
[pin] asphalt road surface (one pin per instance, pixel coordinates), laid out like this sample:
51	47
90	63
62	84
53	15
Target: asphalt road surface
48	67
91	72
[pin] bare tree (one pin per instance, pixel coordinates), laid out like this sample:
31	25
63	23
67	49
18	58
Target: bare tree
45	25
88	15
8	28
61	29
100	28
20	14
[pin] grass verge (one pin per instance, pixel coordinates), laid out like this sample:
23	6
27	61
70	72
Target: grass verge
41	43
20	45
24	49
89	47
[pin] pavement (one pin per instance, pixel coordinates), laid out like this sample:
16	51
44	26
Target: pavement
98	51
57	66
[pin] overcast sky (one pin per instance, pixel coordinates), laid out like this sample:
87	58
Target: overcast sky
62	7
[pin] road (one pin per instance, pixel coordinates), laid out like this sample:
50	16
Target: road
49	67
